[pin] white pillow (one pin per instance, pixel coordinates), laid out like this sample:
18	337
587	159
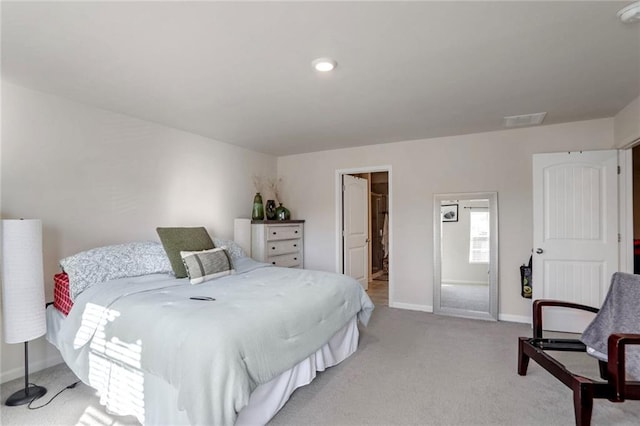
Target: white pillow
206	265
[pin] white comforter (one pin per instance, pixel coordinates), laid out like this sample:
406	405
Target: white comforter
214	353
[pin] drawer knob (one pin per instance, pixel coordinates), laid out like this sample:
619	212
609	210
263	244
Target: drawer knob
295	245
273	248
296	231
273	263
274	232
295	258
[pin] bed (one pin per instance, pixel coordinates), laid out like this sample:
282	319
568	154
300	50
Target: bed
228	351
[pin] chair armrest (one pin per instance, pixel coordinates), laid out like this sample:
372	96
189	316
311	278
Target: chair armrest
616	361
537	312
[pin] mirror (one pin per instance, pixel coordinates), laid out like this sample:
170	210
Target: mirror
466	255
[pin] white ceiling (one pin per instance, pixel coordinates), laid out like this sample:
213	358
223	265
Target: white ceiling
240	72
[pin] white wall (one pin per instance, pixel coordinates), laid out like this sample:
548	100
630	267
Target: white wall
627	124
493	161
96	177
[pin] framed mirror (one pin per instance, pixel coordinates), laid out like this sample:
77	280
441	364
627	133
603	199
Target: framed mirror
465	233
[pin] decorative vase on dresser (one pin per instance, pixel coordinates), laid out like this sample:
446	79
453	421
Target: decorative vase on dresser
283	213
278	242
270	210
258	209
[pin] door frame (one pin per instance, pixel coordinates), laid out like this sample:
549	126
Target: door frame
338	220
625	208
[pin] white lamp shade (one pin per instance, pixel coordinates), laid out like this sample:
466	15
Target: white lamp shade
23	305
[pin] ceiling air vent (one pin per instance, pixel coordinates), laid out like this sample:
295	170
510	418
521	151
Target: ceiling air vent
524	120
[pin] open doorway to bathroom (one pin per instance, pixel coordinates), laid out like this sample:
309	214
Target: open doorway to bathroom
363	206
379	231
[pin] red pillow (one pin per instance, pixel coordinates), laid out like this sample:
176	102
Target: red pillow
61	298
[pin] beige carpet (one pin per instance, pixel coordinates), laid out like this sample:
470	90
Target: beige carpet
412	368
469	297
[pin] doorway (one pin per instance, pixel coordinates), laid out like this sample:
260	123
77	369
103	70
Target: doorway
379	232
377	223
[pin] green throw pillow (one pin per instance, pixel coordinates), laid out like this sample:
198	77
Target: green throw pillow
176	240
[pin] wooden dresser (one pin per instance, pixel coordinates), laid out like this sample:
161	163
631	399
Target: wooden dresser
279	242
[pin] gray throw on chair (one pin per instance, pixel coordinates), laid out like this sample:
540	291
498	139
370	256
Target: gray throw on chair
620	313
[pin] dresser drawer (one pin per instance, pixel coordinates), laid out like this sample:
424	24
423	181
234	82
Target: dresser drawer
286	260
283	247
279	232
278	243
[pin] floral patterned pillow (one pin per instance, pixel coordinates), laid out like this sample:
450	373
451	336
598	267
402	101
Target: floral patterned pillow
233	248
112	262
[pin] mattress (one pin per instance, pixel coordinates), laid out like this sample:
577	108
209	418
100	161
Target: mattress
265	401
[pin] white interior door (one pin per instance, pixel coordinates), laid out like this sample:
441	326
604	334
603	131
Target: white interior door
575	232
355	216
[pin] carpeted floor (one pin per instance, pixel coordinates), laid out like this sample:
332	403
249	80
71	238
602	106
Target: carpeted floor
412	368
470	297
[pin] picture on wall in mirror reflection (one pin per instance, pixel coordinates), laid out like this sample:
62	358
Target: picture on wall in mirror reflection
449	212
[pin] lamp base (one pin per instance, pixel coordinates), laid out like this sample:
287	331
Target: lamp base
25	396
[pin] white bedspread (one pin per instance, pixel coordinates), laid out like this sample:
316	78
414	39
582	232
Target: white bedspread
213	352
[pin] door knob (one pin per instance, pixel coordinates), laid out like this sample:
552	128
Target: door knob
539	251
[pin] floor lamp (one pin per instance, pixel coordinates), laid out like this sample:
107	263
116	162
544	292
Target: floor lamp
23	306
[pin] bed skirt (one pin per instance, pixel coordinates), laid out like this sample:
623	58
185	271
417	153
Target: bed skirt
159	401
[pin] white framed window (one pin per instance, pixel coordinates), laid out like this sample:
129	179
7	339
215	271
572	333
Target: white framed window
479	237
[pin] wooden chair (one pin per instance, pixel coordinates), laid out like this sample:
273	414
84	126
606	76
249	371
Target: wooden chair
613	385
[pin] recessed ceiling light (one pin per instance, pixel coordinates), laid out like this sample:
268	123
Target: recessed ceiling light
324	64
630	14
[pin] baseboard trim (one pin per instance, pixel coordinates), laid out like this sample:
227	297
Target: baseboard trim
426	308
456	282
411	307
515	318
15	373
